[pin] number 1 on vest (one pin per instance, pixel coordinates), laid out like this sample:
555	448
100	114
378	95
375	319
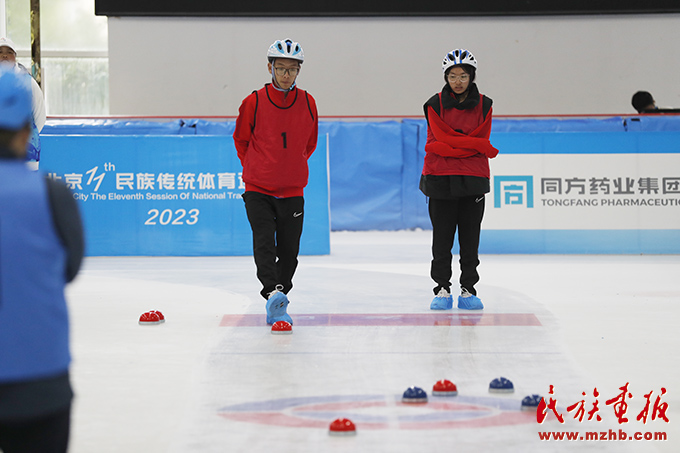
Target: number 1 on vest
285	143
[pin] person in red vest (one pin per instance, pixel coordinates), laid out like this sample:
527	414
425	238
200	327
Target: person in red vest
275	134
456	176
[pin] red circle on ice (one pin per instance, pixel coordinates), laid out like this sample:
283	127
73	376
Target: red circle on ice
376	412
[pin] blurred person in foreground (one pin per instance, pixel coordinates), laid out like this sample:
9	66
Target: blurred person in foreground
41	249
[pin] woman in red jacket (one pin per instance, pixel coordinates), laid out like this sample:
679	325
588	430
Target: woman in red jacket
456	176
275	134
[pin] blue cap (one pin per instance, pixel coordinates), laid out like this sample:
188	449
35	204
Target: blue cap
16	109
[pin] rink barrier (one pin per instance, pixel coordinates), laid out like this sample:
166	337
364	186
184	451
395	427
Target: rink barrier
161	195
559	185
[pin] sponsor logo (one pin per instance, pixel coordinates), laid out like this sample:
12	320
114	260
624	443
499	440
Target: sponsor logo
513	191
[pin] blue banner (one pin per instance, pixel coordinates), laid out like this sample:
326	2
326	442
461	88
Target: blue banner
559	185
171	194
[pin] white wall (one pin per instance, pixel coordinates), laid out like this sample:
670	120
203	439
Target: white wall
390	66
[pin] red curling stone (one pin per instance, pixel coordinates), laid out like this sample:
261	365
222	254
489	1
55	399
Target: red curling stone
282	328
342	427
444	388
149	318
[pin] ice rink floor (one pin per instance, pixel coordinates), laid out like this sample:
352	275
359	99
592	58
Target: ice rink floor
213	378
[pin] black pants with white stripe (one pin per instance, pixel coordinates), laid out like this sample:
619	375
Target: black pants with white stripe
277	227
465	215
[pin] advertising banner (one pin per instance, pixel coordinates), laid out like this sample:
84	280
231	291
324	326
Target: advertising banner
603	192
171	195
584	185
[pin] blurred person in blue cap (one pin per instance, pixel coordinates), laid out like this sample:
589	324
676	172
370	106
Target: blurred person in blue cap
41	249
8	54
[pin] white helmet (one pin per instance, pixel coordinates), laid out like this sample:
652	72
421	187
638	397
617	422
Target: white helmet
458	56
286	48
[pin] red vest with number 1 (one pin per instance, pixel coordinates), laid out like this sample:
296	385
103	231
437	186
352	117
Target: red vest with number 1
276	160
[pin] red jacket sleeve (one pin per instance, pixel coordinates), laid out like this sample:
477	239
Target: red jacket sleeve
450	143
244	125
311	145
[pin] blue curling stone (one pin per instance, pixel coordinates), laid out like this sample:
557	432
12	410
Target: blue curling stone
531	402
501	385
414	395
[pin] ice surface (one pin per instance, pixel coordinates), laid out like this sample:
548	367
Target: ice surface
196	384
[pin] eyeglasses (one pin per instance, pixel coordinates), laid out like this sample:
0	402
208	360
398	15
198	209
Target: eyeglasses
462	78
283	71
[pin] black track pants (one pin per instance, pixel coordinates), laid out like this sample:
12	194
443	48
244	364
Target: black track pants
277	227
49	434
464	214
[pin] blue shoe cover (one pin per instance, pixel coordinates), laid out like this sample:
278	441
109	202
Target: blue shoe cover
286	317
442	301
276	307
470	303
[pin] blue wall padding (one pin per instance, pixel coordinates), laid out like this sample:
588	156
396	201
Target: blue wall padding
414	213
614	124
375	166
643	123
363	157
592	242
111	127
215	128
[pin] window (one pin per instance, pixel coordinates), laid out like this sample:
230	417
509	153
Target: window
74	53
